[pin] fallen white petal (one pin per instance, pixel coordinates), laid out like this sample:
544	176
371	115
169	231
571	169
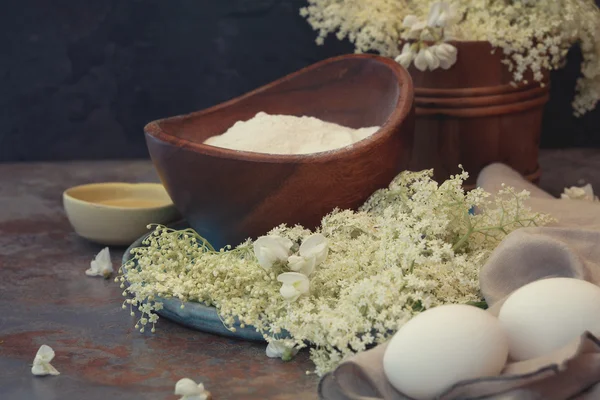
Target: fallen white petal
275	349
189	390
579	193
278	349
41	362
43	369
101	265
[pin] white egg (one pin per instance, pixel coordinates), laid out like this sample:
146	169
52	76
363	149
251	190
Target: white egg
443	346
548	314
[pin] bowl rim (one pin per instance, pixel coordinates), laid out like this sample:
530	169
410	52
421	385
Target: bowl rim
401	112
67	194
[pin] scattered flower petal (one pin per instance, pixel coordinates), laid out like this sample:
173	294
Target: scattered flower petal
101	265
41	363
579	193
271	249
279	349
294	285
189	390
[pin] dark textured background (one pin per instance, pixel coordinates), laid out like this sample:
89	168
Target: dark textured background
80	78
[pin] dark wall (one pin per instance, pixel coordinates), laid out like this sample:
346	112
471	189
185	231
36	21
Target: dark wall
80	78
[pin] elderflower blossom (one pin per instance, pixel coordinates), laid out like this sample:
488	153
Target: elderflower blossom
410	247
533	36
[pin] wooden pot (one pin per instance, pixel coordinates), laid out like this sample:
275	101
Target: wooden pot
472	115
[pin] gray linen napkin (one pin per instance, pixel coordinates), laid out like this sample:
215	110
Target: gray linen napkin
569	248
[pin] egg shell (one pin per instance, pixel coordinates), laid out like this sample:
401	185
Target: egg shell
546	315
442	346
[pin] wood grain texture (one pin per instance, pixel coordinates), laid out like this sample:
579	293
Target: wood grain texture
228	196
471	115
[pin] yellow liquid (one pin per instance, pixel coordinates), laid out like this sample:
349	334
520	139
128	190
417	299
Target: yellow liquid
132	203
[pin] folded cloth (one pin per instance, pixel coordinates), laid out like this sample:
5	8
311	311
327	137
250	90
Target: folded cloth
568	248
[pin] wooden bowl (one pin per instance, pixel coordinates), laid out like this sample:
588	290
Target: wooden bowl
228	196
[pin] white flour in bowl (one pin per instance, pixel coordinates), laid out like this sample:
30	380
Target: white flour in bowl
287	134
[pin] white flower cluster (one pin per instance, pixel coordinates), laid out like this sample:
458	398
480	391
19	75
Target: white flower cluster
347	286
534	36
273	249
425	56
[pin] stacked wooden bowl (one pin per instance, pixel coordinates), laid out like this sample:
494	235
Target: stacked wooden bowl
472	115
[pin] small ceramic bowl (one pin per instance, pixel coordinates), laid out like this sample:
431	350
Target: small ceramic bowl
116	214
228	195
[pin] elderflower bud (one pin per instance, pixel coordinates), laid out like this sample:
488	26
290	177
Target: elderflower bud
426	60
294	285
446	53
41	363
189	390
271	249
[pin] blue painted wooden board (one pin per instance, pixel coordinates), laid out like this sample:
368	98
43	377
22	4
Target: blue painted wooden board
195	315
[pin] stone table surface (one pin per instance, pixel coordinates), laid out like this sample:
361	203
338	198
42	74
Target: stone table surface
45	298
